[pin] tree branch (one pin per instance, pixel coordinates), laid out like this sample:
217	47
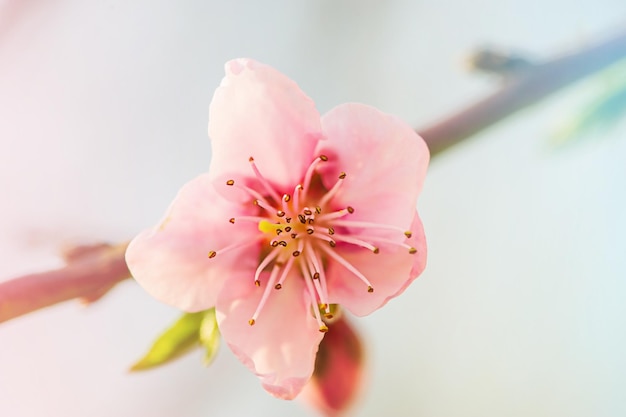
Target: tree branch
522	89
88	275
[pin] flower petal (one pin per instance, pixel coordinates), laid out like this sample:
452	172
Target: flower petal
258	112
171	260
385	161
390	272
281	346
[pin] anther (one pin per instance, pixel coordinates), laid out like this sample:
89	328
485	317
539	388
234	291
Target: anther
280	213
278	286
288	219
286	198
316	275
324	158
342	176
323	306
255	202
296	253
350	209
283	243
311	221
257	283
331	231
408	234
376	250
274	243
287	229
328	316
251	322
212	254
318	209
230	182
370	289
232	220
309	231
332	243
307	211
302	218
323	329
251	159
279	231
294	235
412	251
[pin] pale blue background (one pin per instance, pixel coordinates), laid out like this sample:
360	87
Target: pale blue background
103	113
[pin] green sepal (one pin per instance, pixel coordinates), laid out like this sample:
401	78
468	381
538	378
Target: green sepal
209	336
179	339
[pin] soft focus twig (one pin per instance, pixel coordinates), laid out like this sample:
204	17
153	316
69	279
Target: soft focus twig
89	274
522	89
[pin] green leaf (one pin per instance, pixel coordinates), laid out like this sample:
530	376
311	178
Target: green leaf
209	336
180	338
605	109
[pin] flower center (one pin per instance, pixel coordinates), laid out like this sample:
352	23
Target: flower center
300	231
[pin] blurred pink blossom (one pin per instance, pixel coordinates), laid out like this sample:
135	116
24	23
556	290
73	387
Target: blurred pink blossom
296	213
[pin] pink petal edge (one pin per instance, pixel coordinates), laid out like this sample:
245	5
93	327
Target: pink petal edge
385	161
390	273
258	112
280	347
171	260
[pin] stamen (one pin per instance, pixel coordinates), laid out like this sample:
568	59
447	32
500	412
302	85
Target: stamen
323	236
266	293
241	244
265	205
349	267
265	262
319	275
268	187
286	199
254	219
330	194
410	248
369	225
322	326
287	268
252	193
296	197
334	215
309	173
358	242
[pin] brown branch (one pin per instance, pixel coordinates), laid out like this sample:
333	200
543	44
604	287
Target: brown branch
88	275
524	88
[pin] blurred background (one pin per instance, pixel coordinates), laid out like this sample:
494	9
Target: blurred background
103	115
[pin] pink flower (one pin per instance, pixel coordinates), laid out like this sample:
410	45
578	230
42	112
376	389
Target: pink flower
296	213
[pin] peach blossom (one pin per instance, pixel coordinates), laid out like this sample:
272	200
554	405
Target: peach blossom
296	213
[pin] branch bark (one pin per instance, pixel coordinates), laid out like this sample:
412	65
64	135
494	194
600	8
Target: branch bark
88	276
523	89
